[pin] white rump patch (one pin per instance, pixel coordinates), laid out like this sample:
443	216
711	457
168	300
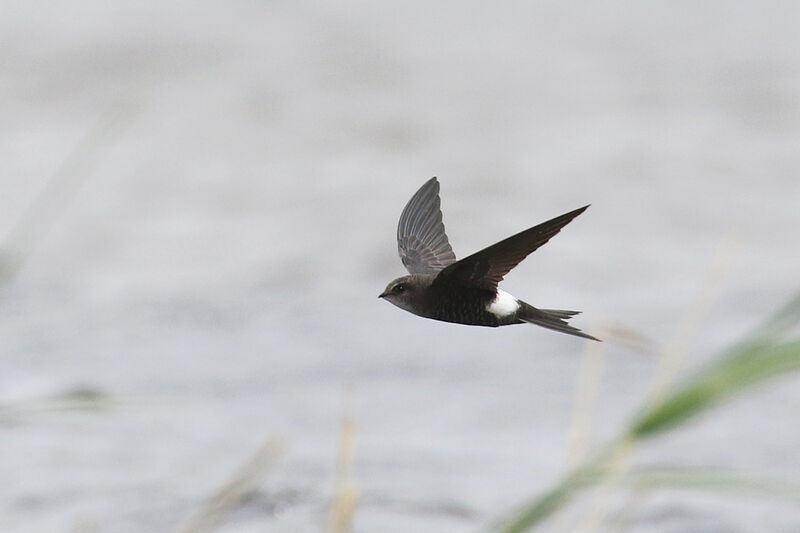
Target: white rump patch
503	304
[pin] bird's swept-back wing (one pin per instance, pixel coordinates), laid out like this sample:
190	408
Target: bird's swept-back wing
486	268
421	240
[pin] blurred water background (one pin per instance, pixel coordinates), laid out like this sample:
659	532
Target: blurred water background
198	203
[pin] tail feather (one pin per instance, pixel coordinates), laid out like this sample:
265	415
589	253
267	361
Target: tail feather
560	313
555	319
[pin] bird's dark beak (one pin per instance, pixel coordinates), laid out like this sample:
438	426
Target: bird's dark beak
383	294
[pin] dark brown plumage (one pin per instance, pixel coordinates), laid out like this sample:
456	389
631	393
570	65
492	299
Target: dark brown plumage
465	291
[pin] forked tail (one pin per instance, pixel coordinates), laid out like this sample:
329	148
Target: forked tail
555	319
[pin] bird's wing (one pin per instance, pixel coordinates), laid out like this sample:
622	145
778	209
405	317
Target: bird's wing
421	240
486	268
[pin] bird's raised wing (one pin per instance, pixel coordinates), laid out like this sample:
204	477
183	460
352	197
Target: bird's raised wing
421	240
486	268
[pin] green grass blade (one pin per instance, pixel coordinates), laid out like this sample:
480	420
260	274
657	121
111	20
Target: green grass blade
714	480
747	366
780	322
763	355
548	503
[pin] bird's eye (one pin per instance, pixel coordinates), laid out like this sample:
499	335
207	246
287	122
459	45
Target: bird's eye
400	287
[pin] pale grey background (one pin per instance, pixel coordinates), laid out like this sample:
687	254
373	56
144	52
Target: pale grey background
217	269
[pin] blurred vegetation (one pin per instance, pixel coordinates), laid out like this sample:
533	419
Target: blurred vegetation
771	351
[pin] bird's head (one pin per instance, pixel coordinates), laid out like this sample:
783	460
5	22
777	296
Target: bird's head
406	293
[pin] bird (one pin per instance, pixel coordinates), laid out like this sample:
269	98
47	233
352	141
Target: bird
466	291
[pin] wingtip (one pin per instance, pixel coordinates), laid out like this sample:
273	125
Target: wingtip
431	183
574	213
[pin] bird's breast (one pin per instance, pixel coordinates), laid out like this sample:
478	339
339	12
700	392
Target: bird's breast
470	305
